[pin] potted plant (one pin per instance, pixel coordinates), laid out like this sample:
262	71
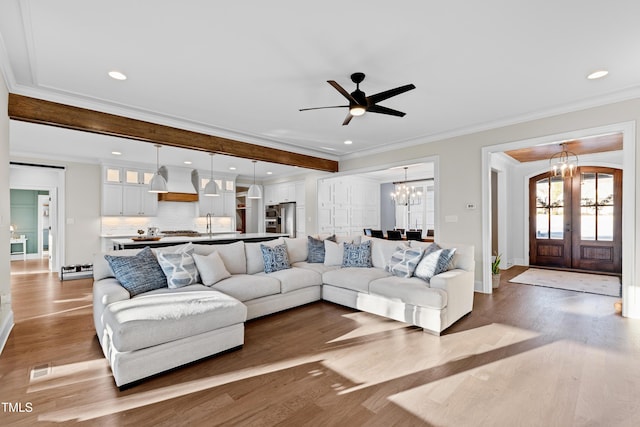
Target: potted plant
495	271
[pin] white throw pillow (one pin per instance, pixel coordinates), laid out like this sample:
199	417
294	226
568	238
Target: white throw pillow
297	249
232	255
434	263
211	268
333	253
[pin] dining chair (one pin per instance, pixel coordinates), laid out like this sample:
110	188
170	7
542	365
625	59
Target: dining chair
414	235
394	235
377	233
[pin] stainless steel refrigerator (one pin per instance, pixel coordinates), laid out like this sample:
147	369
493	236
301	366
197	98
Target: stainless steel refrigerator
285	218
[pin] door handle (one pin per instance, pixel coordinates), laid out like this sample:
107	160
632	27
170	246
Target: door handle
567	228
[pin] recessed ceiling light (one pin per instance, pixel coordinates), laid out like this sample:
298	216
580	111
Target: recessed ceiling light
117	75
187	162
598	74
116	153
269	173
348	142
232	168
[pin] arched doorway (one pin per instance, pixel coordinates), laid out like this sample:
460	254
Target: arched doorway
576	222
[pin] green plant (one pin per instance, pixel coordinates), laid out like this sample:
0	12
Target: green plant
495	265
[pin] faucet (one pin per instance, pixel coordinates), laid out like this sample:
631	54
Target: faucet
209	230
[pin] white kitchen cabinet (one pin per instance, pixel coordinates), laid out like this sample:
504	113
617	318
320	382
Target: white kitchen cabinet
137	201
112	175
111	199
137	176
284	192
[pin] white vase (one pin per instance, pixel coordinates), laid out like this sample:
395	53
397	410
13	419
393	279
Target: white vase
495	281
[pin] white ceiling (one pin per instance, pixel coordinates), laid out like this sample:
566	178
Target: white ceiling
243	69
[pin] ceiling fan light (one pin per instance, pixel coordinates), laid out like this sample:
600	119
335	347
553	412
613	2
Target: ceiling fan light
357	110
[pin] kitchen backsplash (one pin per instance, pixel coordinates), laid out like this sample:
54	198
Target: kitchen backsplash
170	216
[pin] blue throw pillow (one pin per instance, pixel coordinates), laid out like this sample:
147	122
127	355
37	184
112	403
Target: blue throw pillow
315	249
357	255
275	258
139	273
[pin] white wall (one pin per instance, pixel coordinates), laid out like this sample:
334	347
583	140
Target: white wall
460	169
78	204
6	314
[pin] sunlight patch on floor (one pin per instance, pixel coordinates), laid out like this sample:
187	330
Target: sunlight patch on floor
437	352
64	375
57	313
137	400
368	324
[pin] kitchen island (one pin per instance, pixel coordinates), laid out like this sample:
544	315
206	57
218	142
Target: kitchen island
205	239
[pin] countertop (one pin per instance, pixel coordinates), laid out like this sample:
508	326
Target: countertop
204	239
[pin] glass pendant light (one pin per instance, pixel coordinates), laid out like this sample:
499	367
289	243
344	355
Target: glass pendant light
254	190
211	189
158	183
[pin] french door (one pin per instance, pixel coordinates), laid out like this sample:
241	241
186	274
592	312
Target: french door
576	222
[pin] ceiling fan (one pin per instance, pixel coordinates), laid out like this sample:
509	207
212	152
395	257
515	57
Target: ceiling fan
359	103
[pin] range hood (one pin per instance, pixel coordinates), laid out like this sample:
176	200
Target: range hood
182	184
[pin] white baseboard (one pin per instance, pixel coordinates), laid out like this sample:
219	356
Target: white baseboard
6	324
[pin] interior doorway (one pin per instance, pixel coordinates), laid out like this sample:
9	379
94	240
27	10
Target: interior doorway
576	222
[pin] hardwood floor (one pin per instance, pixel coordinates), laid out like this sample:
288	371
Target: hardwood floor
525	356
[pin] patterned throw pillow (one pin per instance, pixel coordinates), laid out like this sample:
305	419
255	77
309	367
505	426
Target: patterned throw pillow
404	261
275	258
180	269
433	263
315	248
139	273
357	255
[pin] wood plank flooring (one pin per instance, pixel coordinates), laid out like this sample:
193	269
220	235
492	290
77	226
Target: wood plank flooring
525	356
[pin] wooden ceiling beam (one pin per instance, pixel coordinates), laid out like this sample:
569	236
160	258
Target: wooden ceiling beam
39	111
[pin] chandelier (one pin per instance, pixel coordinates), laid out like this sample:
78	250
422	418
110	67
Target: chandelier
405	194
563	163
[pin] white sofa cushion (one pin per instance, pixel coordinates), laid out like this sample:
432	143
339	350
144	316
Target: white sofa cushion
297	249
211	268
381	250
410	290
295	278
245	287
354	278
314	266
101	267
150	320
253	253
232	254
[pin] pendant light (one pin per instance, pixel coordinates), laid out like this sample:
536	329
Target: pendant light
254	190
563	163
158	183
211	189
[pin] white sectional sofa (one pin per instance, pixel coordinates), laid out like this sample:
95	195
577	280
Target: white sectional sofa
161	329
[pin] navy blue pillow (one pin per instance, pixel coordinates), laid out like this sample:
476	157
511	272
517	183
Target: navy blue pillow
315	247
139	273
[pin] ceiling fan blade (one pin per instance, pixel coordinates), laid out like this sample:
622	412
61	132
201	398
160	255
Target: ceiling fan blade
347	119
384	110
377	97
321	108
342	91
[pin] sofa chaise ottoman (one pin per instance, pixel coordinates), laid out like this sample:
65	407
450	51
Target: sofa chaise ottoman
152	333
